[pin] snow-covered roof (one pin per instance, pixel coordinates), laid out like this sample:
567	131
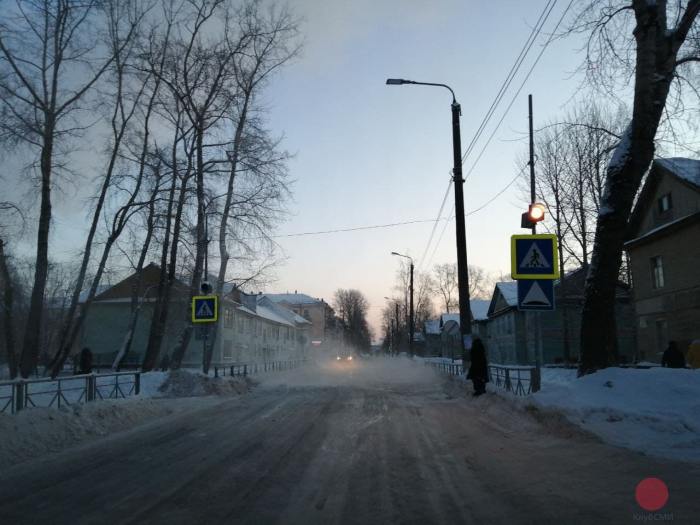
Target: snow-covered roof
271	315
432	327
449	317
686	169
509	291
480	309
292	298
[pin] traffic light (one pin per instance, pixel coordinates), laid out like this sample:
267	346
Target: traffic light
533	215
205	287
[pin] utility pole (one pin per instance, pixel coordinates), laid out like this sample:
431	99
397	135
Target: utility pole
396	333
532	160
538	328
465	323
411	317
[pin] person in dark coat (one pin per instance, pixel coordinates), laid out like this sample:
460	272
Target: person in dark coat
478	370
673	357
85	361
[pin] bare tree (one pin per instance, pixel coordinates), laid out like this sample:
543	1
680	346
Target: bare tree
45	46
351	307
662	42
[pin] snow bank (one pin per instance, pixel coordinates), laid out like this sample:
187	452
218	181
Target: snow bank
183	383
38	431
655	411
35	432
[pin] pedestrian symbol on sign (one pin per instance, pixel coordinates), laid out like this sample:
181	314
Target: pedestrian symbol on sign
204	310
534	259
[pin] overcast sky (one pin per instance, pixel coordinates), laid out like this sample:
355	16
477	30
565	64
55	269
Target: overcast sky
371	154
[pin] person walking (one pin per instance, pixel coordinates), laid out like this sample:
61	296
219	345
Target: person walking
85	361
478	369
673	357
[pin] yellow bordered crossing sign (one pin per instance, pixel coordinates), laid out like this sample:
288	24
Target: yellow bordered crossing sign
205	309
534	256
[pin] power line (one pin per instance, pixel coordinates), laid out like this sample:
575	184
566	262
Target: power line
527	76
511	75
432	232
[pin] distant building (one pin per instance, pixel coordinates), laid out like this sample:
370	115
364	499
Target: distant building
250	328
324	332
663	245
443	337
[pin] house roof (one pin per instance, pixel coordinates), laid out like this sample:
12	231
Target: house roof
480	309
292	298
432	327
687	171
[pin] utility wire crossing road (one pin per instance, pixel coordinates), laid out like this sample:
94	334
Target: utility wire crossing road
380	441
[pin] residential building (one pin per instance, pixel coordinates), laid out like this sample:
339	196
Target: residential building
250	328
324	333
663	245
525	337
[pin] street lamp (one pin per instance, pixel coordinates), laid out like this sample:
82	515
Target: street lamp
410	315
462	269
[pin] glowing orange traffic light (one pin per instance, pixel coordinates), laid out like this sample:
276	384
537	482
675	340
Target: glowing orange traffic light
533	215
536	212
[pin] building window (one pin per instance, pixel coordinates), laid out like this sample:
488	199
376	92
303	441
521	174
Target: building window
228	318
306	315
665	203
657	272
228	349
241	324
661	334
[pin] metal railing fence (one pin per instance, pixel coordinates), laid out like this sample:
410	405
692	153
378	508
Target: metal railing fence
67	390
520	380
245	369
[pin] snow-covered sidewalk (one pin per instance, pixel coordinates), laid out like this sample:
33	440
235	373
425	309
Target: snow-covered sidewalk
655	411
35	432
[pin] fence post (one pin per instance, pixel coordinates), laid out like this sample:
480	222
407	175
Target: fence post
508	385
89	386
245	370
535	379
19	395
137	383
216	372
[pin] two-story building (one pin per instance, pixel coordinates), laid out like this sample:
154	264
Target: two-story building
663	244
323	333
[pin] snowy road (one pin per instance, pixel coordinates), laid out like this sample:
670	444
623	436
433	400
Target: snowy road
381	442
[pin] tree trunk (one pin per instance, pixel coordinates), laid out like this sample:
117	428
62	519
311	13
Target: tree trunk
30	347
186	333
223	227
7	313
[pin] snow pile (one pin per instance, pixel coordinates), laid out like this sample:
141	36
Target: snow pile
655	411
183	383
34	432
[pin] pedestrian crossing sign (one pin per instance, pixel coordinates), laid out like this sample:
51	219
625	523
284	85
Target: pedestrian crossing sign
205	309
534	256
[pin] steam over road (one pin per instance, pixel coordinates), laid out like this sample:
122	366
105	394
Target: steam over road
379	441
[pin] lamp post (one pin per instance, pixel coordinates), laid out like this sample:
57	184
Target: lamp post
462	268
410	315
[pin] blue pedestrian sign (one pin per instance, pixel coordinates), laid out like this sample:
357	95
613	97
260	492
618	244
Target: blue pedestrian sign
205	309
535	294
534	257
